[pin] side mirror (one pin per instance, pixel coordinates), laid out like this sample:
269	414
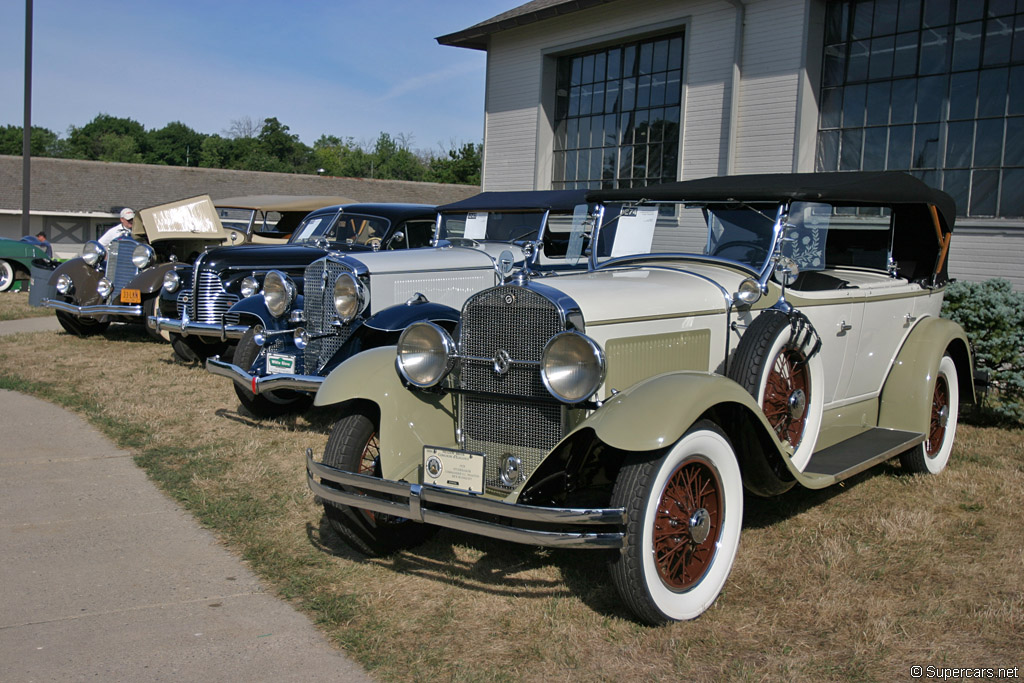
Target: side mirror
396	239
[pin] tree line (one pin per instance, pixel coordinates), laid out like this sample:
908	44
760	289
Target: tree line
249	145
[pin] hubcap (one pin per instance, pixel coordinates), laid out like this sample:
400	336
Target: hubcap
687	524
797	404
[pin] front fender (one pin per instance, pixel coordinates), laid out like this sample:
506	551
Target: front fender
906	398
151	279
409	419
656	413
384	328
256	307
84	277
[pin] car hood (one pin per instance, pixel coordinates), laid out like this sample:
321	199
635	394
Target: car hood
653	290
261	256
428	259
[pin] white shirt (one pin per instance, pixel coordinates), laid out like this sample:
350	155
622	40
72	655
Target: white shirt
112	234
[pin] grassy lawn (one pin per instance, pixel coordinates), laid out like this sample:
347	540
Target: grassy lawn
860	581
14	306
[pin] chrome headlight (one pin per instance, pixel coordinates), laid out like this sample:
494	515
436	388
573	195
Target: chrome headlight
572	367
143	256
349	297
426	354
278	292
748	293
92	252
64	283
172	281
104	288
300	337
250	286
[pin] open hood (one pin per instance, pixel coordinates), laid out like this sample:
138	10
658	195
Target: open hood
191	218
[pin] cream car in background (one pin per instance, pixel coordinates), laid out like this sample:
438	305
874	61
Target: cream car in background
797	340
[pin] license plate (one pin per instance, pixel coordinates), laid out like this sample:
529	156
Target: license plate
453	469
279	363
131	296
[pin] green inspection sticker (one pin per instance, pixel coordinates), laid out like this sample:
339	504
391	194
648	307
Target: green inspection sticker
279	363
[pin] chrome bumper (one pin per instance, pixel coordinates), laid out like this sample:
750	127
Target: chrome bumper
189	328
259	385
94	311
419	501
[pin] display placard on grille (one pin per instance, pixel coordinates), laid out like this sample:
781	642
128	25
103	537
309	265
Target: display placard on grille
452	469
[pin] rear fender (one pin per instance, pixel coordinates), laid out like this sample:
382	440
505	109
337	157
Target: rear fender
906	398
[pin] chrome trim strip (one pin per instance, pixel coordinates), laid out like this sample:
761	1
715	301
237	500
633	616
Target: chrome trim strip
93	311
187	327
428	496
216	366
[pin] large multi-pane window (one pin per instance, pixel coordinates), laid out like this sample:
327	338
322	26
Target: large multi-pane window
933	87
617	115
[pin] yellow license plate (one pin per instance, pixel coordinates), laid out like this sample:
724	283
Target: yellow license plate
131	296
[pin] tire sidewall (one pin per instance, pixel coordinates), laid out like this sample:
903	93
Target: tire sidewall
6	275
815	404
716	452
936	463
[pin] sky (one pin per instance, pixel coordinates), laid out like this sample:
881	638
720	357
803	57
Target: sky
353	68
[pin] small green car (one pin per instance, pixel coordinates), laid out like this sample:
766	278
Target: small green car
735	333
16	261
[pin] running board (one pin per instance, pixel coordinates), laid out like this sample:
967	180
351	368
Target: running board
865	450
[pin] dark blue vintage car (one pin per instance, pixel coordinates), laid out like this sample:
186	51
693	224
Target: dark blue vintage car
207	306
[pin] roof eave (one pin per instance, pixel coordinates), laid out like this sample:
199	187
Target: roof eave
478	37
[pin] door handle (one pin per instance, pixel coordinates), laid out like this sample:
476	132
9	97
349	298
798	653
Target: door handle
844	327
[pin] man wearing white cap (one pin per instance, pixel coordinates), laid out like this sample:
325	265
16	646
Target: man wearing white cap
122	229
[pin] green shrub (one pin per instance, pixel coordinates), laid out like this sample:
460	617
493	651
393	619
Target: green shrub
992	314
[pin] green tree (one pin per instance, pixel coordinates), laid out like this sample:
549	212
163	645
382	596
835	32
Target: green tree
284	148
343	158
106	136
174	145
393	160
44	142
215	152
462	165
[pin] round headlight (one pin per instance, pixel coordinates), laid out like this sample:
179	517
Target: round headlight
572	367
349	297
143	256
748	293
300	337
92	252
171	281
103	287
426	354
64	283
250	286
278	292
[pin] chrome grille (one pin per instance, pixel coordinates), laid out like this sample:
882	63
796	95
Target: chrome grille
184	299
524	421
210	302
318	293
119	267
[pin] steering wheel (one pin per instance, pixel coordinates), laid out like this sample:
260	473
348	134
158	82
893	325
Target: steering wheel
741	244
373	243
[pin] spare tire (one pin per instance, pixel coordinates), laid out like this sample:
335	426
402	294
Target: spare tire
777	361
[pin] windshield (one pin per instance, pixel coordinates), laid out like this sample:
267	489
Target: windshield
497	226
736	232
347	228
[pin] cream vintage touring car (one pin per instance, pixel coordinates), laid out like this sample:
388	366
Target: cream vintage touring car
740	332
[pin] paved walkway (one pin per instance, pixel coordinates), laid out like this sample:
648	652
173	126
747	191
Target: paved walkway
102	577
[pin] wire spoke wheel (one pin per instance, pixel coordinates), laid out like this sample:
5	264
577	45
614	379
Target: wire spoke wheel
931	456
688	524
785	395
940	417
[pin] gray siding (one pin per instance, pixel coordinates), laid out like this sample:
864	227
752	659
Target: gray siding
981	252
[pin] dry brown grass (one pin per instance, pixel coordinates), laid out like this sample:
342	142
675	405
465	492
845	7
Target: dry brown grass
14	306
860	581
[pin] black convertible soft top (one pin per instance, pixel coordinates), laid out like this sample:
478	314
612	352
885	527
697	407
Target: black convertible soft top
537	200
854	188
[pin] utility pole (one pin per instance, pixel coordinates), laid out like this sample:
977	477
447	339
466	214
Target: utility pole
26	137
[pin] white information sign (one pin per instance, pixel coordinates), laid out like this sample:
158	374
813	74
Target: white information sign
634	232
453	469
476	225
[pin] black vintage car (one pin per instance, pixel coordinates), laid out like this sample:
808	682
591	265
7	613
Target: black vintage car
206	307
